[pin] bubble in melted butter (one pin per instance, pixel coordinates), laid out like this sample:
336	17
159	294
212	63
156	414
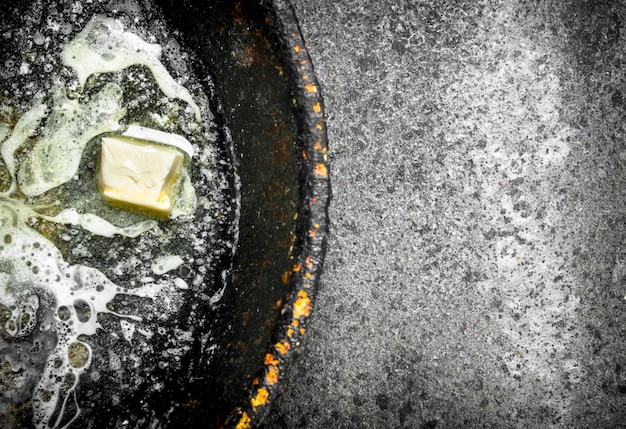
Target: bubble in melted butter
30	262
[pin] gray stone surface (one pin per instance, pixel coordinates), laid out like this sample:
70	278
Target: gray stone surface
476	273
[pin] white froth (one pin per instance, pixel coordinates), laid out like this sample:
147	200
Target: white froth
103	46
55	159
80	293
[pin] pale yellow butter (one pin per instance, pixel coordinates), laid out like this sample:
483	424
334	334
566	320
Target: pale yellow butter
139	173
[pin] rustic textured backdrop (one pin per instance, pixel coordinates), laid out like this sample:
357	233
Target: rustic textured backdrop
476	273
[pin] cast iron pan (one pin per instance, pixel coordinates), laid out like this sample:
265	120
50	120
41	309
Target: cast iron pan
273	108
267	102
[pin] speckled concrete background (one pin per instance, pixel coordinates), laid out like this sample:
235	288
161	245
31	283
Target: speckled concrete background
476	273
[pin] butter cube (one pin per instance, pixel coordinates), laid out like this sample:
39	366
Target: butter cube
139	173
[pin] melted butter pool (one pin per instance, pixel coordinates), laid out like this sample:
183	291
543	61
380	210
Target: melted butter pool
78	276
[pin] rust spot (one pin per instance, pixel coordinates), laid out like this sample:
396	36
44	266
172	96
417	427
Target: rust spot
192	403
290	332
310	88
261	398
285	277
270	360
302	331
237	13
320	170
246	317
309	261
304	155
296	49
272	375
317	107
244	422
246	57
283	348
312	233
281	150
302	306
297	268
319	127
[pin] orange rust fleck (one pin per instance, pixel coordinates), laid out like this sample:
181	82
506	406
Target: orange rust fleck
317	108
261	398
319	127
285	277
270	360
302	306
305	76
255	381
272	375
310	88
312	233
297	268
237	15
290	332
304	155
296	48
244	422
313	201
280	70
309	261
320	170
316	226
308	275
302	331
283	348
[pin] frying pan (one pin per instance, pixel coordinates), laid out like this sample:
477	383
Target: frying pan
278	128
268	106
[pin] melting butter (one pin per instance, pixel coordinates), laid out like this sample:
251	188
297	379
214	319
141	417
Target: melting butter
25	128
30	262
103	46
55	159
98	226
139	173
